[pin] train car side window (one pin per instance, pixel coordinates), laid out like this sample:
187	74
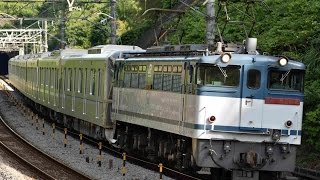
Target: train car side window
65	80
80	80
92	82
44	77
52	78
69	80
99	83
85	81
254	79
74	79
57	80
48	77
41	76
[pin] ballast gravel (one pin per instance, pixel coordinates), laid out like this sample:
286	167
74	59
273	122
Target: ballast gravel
69	155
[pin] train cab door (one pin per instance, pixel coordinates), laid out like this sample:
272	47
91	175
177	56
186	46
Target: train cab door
186	91
252	100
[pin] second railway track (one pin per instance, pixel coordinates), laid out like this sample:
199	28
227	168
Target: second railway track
43	165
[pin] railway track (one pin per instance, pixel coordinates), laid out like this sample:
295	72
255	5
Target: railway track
44	166
40	163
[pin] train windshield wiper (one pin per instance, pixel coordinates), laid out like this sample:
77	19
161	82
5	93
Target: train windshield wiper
224	72
284	75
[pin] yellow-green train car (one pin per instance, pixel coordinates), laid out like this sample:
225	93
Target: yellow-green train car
72	87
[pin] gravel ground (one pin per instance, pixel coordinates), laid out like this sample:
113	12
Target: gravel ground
70	154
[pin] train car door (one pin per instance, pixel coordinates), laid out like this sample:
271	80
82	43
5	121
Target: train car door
252	100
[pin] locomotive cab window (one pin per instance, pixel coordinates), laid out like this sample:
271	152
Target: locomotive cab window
211	75
254	78
286	80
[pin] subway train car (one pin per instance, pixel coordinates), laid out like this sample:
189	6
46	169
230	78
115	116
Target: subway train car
195	109
72	86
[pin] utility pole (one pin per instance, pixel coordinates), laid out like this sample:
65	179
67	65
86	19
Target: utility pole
210	23
45	34
63	26
113	22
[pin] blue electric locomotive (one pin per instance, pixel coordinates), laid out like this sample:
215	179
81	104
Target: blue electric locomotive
232	109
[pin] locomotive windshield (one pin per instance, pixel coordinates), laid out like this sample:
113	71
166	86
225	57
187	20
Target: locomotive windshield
286	80
210	75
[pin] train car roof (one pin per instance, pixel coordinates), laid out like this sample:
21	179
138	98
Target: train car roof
104	51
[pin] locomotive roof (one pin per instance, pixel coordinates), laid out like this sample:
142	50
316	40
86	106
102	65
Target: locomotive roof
236	59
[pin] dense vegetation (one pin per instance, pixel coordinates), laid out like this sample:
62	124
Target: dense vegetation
288	28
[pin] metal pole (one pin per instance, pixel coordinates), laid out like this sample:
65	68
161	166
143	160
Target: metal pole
45	38
100	154
81	145
63	26
160	170
210	23
65	137
124	169
113	22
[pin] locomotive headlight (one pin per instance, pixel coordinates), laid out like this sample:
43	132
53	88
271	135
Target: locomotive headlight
225	57
283	61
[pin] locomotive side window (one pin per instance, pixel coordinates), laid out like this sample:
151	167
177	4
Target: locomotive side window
209	75
254	78
286	80
135	76
142	76
127	76
167	78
